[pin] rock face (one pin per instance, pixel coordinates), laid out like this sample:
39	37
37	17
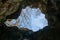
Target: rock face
8	7
12	8
14	33
52	31
48	33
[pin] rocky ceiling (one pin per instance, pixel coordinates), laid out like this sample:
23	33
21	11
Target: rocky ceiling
8	7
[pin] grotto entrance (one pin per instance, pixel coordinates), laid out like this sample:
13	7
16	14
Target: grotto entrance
30	18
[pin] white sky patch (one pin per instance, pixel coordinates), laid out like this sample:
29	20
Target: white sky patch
30	18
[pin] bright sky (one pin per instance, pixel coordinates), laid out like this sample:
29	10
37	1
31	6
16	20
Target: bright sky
30	18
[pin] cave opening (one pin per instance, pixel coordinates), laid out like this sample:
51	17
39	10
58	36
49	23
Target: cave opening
30	18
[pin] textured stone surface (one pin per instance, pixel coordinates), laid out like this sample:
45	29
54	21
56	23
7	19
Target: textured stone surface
48	33
8	7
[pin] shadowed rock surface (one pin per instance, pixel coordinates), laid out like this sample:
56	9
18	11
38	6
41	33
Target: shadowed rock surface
52	31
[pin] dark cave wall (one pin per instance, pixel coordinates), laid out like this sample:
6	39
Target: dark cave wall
50	32
53	13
